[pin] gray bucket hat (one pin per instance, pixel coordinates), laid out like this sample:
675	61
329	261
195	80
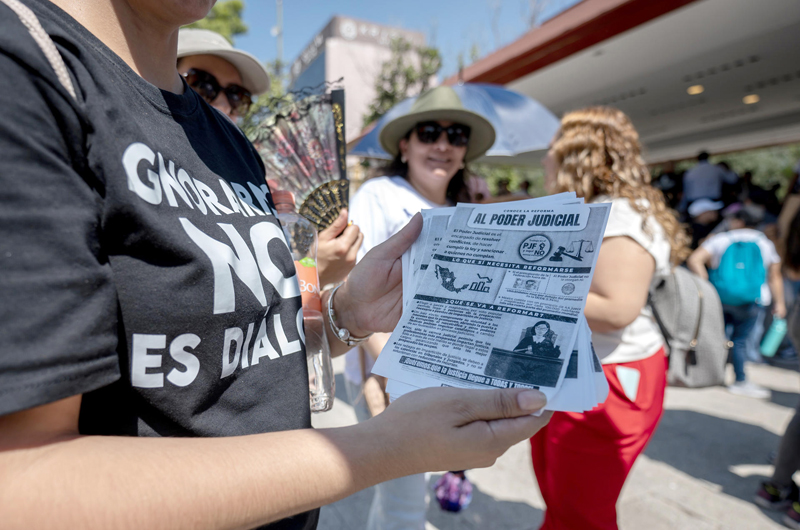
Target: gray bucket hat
441	103
205	42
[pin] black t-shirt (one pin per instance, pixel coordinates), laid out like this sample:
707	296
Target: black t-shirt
141	263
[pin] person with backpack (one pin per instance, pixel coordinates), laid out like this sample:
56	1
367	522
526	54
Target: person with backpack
744	267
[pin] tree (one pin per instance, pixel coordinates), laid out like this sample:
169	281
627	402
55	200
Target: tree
268	101
225	18
408	72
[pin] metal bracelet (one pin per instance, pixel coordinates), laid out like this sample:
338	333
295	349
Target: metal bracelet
343	334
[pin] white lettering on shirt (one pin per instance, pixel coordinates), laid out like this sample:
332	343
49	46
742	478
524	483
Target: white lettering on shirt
141	360
133	155
245	199
246	350
223	260
261	235
170	183
210	198
261	196
171	180
263	347
177	350
232	199
233	337
188	184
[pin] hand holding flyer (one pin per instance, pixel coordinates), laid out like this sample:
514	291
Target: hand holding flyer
494	297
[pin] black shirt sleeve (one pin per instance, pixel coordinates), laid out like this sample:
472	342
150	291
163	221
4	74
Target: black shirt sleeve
58	305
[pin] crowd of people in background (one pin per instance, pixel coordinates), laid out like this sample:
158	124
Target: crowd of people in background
712	199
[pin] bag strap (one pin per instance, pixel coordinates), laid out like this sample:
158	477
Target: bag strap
700	298
46	44
660	322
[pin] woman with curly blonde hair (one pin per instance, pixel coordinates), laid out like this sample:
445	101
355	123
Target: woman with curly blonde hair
582	460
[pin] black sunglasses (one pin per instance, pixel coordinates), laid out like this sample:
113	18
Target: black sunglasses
209	88
429	132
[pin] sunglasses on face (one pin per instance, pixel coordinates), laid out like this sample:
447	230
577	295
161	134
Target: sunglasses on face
209	88
429	132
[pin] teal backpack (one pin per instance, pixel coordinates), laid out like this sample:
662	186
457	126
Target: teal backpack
740	274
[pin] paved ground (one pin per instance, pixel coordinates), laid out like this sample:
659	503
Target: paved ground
699	471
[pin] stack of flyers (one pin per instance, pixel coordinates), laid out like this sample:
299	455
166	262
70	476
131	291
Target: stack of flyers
493	297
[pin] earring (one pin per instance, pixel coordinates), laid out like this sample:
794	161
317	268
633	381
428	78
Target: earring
463	165
403	159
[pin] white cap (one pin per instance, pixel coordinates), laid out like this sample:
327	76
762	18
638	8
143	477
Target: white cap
205	42
701	206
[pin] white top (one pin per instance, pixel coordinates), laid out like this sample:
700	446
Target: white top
704	181
380	208
717	244
641	338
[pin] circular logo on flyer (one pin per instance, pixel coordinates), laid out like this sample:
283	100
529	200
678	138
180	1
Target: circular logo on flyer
568	288
535	248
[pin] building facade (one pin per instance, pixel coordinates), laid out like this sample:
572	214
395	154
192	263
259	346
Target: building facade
354	51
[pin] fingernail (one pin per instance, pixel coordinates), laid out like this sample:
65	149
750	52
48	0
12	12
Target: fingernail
531	400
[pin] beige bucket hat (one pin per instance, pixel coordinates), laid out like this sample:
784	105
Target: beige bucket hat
205	42
440	104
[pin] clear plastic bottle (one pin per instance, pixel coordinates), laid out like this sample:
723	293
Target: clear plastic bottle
302	238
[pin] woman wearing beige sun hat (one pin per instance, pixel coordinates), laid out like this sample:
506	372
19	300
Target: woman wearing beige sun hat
227	78
431	145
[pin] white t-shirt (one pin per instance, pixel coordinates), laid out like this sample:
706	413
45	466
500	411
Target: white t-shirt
380	208
641	338
717	244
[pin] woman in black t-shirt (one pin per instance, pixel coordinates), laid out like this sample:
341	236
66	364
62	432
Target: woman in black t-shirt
152	367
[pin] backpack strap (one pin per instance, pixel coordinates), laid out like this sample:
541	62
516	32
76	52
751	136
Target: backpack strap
660	323
700	298
691	353
46	44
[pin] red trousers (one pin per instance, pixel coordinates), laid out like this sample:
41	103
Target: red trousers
581	460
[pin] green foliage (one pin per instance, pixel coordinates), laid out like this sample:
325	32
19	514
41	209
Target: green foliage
474	53
407	73
225	18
